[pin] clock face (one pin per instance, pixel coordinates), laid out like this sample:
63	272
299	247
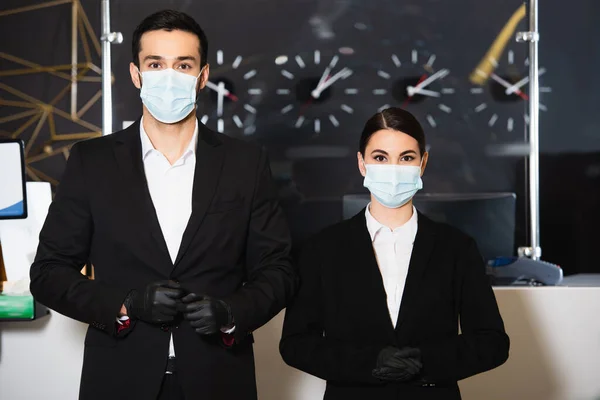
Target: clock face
229	103
500	105
416	80
314	92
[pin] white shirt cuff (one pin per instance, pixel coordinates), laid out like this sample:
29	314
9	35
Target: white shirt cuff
228	331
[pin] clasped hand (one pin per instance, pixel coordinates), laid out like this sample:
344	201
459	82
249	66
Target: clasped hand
398	365
161	302
206	315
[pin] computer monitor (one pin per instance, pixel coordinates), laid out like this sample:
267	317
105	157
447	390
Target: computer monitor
487	217
13	197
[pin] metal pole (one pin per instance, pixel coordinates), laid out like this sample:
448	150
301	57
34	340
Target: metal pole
74	47
534	251
107	121
534	132
107	39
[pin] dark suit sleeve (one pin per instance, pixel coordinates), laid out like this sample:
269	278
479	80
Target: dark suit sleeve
63	250
270	275
483	343
305	345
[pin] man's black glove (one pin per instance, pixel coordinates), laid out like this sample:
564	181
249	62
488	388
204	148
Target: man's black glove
156	303
206	314
398	365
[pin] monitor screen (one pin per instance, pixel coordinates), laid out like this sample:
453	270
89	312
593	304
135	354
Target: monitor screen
13	199
489	218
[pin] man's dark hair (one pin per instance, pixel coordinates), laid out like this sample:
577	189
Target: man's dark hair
169	20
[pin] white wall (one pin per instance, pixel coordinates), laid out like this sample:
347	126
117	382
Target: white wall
555	346
555	354
41	359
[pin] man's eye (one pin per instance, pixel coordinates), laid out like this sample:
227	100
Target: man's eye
154	65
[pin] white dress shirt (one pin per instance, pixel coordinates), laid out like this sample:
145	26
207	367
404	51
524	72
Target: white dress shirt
170	188
393	249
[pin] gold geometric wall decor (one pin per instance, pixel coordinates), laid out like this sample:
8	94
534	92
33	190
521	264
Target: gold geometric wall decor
38	118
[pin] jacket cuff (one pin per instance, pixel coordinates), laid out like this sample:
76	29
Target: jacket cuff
239	315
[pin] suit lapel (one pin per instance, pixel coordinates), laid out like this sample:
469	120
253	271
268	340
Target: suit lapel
369	273
422	250
209	163
128	152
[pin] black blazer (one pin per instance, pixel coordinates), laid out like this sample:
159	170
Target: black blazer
235	247
339	321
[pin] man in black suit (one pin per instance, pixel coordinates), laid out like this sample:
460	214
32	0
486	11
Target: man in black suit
189	246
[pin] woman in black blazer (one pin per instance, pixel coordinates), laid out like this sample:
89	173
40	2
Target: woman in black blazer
382	294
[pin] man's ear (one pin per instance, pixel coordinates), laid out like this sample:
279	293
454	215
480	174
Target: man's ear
135	75
203	78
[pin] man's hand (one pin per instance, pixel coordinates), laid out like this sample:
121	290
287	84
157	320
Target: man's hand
398	365
206	315
156	303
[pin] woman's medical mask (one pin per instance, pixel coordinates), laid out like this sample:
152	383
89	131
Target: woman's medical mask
393	185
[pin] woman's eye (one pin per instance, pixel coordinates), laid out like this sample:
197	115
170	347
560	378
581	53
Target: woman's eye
379	158
407	158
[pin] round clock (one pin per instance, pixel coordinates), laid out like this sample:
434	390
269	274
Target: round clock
499	106
313	92
417	81
229	103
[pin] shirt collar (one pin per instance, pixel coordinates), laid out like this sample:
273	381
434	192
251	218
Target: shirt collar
374	226
148	147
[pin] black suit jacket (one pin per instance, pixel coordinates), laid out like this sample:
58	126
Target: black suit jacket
235	247
339	321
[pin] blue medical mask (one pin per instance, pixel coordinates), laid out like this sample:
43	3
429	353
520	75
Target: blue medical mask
169	96
393	185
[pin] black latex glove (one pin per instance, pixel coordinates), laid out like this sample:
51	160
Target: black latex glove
398	365
156	303
206	315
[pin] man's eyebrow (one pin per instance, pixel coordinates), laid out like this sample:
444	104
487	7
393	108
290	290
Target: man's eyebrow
153	57
179	58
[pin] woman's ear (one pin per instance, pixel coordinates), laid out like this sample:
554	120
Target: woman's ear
361	164
424	162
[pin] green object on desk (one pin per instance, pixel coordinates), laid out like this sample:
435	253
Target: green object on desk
17	307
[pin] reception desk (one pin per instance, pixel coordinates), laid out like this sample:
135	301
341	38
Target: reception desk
555	353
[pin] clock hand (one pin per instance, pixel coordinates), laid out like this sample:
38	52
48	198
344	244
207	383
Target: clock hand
226	92
512	89
343	74
423	92
507	85
309	101
410	96
220	93
327	71
438	75
215	87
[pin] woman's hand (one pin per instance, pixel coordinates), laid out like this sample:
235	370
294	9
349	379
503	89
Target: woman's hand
398	365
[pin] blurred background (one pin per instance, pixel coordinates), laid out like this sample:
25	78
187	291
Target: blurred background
270	54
